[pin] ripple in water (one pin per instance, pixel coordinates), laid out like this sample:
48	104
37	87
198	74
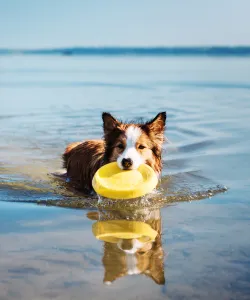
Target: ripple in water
188	186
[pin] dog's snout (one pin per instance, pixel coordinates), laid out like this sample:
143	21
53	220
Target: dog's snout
127	162
126	244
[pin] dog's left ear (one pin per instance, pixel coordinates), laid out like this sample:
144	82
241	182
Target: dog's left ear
158	124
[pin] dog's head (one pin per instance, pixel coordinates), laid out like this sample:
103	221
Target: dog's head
131	144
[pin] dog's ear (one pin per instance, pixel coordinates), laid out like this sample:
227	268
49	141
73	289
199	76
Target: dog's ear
158	123
109	122
156	267
156	260
114	263
155	129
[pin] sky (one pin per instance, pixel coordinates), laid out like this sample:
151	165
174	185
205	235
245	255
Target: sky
67	23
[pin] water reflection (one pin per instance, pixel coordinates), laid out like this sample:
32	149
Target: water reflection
132	243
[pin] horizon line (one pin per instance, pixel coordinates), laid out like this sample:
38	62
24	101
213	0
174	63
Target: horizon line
126	47
215	51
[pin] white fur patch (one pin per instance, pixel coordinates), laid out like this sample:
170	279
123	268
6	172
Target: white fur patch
132	265
136	245
132	134
131	260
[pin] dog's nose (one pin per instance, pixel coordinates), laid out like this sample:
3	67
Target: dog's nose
127	162
126	244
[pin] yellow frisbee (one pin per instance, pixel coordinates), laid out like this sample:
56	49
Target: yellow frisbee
112	182
113	230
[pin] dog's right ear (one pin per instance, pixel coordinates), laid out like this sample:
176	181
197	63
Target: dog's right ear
109	122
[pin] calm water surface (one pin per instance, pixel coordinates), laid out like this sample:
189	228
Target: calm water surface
202	249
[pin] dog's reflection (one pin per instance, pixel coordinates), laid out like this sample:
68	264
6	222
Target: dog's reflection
132	243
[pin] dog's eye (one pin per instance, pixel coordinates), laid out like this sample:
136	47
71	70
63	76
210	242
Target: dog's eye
120	146
141	147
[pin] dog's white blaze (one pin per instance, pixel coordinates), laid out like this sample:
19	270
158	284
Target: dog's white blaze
132	134
131	261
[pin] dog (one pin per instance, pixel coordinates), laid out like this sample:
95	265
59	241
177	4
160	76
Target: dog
129	144
131	256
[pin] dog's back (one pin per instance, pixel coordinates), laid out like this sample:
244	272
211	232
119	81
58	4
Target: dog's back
67	152
82	160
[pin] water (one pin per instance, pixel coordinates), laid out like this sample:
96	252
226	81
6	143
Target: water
212	51
202	249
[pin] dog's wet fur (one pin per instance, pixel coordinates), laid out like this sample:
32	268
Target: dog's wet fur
128	143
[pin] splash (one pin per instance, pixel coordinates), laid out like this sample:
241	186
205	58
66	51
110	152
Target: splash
54	192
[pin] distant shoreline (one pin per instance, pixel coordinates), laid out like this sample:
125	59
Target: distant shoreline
215	51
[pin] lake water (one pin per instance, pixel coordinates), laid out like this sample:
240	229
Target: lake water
202	250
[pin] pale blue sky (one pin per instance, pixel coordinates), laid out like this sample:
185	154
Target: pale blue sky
56	23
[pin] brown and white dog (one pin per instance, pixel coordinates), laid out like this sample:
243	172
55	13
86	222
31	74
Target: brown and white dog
130	144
